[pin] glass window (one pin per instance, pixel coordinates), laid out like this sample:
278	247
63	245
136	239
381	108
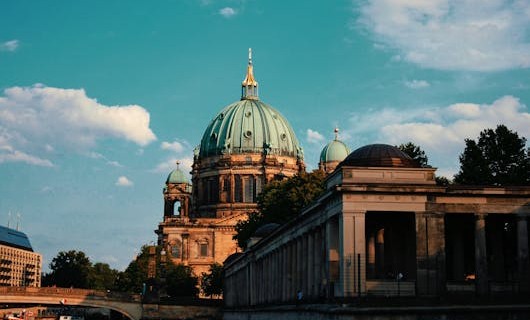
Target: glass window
203	249
175	250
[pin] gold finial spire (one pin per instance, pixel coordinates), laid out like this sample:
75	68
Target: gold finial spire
249	86
336	133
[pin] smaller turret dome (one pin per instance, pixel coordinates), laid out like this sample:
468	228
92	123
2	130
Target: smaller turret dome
336	150
177	176
333	153
379	155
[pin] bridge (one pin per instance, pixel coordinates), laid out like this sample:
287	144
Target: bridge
128	305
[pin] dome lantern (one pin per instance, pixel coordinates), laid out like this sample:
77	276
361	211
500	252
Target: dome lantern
249	86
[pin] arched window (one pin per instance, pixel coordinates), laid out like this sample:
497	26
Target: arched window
176	249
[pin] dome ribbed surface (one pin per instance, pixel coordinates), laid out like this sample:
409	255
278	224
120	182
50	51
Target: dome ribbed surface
177	176
334	151
379	155
249	126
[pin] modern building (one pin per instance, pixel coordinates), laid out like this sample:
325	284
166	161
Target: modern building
245	146
384	228
19	265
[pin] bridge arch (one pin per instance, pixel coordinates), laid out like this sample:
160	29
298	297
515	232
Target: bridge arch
128	305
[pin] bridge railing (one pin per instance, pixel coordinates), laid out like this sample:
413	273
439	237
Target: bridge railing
70	292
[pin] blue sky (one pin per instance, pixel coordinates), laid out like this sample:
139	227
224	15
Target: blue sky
98	99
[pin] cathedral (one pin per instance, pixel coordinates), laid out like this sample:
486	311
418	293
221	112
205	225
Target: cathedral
245	146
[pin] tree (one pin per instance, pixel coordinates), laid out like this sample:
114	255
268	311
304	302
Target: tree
498	158
69	269
416	153
212	282
180	281
134	277
281	201
102	277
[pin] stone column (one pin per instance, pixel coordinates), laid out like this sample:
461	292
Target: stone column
317	271
298	271
370	263
380	253
430	254
523	264
326	261
292	270
481	257
304	268
352	243
310	265
232	189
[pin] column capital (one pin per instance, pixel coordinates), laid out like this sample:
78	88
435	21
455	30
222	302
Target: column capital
430	214
480	215
353	213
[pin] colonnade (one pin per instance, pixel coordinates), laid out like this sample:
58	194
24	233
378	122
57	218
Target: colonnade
332	258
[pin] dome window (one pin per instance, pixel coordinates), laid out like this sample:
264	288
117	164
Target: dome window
248	134
248	114
213	137
283	136
221	116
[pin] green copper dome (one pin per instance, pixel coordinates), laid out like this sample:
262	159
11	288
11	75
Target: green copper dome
177	176
336	150
249	126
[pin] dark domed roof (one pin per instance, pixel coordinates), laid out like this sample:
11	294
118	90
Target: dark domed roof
265	230
379	155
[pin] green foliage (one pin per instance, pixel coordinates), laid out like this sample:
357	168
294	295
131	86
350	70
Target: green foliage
69	269
281	201
102	277
498	158
74	269
132	279
180	281
416	153
212	282
442	181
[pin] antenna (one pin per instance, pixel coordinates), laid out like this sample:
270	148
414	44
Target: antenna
18	221
8	218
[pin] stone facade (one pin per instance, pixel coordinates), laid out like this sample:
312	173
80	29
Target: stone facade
245	146
389	231
19	267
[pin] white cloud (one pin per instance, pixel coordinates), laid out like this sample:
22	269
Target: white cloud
32	119
314	136
173	146
227	12
452	34
417	84
19	156
10	46
441	131
96	155
123	181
